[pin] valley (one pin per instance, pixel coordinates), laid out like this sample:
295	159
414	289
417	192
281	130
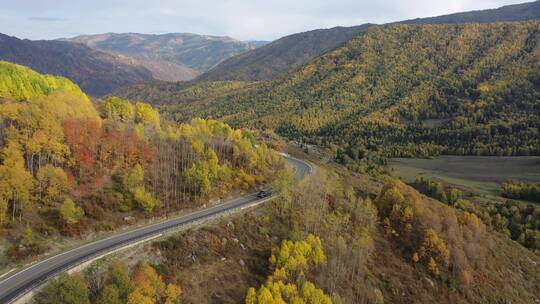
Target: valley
482	173
170	57
96	72
364	107
304	163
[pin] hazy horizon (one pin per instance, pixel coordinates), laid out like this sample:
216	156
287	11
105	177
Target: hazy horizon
242	20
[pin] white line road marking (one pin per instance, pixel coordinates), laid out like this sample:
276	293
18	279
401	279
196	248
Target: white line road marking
23	283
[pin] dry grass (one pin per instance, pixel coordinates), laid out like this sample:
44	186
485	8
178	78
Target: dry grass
220	261
480	173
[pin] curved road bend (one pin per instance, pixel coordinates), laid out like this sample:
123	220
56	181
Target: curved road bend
20	283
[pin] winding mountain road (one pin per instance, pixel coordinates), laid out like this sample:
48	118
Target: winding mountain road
17	285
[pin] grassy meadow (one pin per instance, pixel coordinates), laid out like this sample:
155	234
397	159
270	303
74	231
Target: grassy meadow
481	173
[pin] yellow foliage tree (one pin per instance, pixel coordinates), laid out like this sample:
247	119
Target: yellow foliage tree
15	181
173	293
295	257
52	184
70	212
150	288
146	114
287	283
434	251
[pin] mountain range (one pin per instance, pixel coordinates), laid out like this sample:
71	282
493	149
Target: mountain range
376	240
282	55
514	12
360	103
97	73
100	64
103	63
170	57
399	90
286	54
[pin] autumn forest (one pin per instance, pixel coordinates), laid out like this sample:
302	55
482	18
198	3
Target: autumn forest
392	163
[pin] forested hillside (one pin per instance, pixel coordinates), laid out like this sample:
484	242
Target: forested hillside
98	73
515	12
401	90
21	83
166	94
287	53
71	166
173	56
332	238
114	285
282	55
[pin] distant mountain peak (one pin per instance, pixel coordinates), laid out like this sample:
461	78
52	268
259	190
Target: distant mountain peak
289	52
512	12
170	56
96	72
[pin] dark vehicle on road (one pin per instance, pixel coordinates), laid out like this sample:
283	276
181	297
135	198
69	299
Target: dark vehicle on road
264	193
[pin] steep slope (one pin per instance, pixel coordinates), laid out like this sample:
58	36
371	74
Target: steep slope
171	93
171	57
97	73
21	83
285	54
404	90
282	55
78	166
326	235
516	12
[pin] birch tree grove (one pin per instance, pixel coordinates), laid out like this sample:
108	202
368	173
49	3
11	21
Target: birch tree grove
88	162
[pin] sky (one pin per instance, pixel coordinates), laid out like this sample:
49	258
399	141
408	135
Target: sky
240	19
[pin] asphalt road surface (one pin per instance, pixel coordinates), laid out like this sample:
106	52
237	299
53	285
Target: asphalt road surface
20	283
